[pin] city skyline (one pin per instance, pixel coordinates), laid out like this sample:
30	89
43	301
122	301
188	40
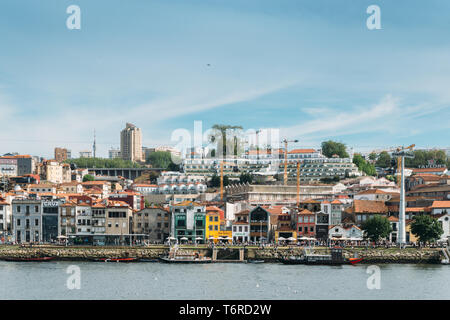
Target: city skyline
312	73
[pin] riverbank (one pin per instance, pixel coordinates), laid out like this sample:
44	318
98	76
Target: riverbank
371	256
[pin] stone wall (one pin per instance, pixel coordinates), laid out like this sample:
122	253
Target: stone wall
379	255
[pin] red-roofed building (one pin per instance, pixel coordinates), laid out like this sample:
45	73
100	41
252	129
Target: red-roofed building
306	224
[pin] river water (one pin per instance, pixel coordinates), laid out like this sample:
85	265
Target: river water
48	280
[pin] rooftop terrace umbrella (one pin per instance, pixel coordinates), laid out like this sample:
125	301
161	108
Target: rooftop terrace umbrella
184	238
292	239
281	239
199	238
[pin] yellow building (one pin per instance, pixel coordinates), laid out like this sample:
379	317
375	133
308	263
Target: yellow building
215	225
410	237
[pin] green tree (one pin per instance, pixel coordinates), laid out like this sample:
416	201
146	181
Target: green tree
426	228
384	160
364	166
421	158
88	177
215	181
245	177
103	163
376	228
330	148
373	156
160	159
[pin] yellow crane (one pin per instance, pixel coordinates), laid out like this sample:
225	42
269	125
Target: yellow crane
285	141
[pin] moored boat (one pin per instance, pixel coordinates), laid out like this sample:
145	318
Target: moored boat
255	261
36	259
335	258
184	259
117	259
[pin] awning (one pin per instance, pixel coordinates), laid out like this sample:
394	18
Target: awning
281	239
183	238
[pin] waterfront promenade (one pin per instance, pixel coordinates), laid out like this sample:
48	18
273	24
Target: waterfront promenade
268	254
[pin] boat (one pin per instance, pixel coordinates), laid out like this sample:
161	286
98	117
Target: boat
335	258
175	257
37	259
255	261
184	259
148	260
117	259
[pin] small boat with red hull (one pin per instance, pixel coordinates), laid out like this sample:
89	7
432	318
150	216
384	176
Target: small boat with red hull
35	259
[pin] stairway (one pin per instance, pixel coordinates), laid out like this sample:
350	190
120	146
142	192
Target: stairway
446	255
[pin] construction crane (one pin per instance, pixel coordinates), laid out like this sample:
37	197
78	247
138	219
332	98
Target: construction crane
285	141
221	180
298	184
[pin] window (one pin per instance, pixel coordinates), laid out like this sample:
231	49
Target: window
18	222
36	222
18	209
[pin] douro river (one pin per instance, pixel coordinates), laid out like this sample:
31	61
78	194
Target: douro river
90	280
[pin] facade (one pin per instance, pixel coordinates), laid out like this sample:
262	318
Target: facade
118	222
50	219
85	154
322	224
153	222
5	216
8	167
241	227
188	221
61	154
306	224
131	143
336	207
114	153
259	224
276	194
362	210
27	220
67	215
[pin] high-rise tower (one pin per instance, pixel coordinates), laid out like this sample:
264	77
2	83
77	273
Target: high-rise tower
131	143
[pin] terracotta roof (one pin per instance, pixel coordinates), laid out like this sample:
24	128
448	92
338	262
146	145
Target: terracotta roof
305	211
415	209
393	219
367	206
441	204
372	191
295	151
336	202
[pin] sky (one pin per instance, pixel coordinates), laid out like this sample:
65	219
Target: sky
311	69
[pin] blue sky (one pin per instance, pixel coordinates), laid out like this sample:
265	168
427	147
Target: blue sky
309	68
